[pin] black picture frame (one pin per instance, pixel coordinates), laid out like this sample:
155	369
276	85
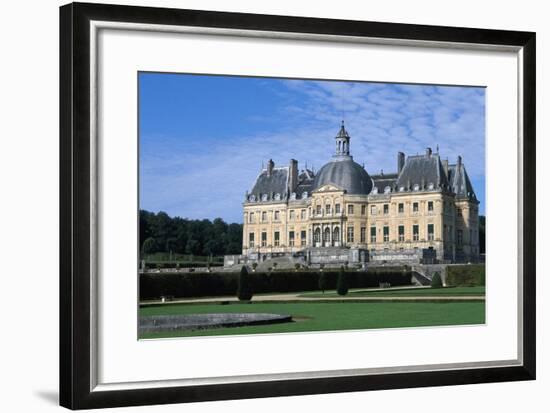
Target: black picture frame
75	219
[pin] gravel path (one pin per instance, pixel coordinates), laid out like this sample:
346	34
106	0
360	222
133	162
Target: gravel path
296	297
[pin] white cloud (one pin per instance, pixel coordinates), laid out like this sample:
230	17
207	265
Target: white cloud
185	179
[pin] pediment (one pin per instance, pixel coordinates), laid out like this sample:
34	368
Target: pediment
328	188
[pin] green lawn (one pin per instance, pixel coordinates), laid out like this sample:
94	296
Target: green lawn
311	316
405	292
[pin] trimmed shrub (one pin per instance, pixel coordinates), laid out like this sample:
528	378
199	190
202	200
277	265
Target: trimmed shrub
244	289
342	286
436	281
467	275
323	282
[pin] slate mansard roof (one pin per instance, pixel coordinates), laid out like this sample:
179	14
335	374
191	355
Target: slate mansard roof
276	183
460	182
275	186
426	172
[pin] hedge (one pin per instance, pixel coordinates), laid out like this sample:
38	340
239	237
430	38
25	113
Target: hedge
185	285
469	275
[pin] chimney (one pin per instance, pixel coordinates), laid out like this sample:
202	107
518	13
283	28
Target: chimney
400	161
293	175
459	162
428	152
270	165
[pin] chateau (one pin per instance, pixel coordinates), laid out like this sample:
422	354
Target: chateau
425	212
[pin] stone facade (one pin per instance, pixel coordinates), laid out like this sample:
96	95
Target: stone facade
426	210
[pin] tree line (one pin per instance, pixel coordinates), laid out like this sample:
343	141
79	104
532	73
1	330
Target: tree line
162	233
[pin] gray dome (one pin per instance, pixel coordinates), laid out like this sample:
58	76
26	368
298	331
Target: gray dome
345	174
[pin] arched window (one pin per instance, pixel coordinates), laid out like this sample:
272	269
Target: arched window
317	235
336	234
326	236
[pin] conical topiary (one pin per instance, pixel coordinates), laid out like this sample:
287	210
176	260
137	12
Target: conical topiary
342	283
323	282
244	289
436	281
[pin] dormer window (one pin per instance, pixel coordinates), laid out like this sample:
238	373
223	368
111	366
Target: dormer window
416	187
431	186
264	197
277	197
387	190
293	196
252	198
304	195
375	190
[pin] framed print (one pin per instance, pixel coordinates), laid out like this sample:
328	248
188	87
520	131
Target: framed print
257	206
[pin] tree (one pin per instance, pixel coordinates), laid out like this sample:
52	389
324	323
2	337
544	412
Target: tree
342	283
149	246
436	281
323	282
244	289
192	247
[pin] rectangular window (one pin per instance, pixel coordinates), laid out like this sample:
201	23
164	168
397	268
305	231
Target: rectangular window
337	208
318	209
401	232
291	238
350	234
401	208
373	210
327	209
459	237
386	209
303	214
372	234
276	238
276	216
416	233
251	240
363	209
363	235
350	209
303	237
430	206
264	239
291	214
264	216
459	212
445	235
415	206
251	218
386	234
430	232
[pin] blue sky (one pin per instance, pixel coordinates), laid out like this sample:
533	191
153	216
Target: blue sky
203	138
